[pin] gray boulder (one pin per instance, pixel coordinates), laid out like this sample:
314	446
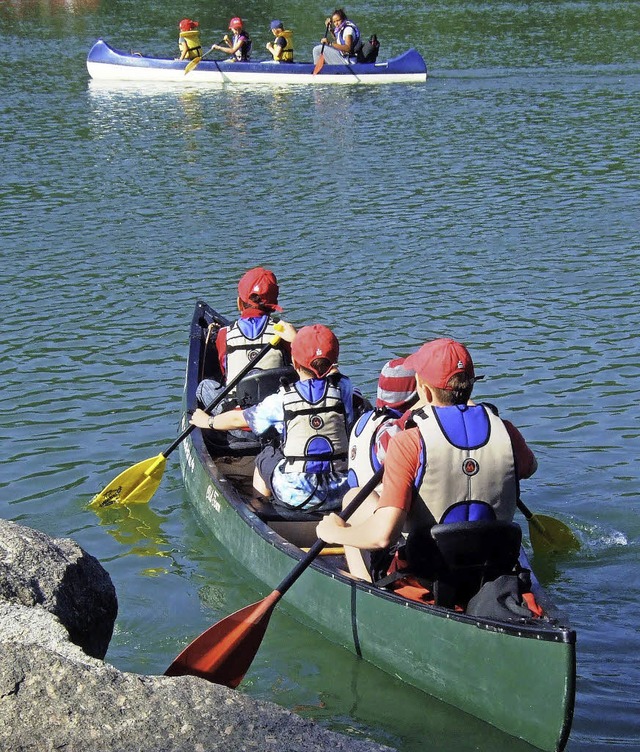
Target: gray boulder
53	695
62	578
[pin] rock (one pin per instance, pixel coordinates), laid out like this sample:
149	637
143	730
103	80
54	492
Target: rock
65	580
54	695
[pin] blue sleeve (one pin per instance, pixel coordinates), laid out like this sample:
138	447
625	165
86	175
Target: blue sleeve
270	412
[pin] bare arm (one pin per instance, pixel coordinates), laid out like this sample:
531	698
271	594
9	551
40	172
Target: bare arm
379	530
223	422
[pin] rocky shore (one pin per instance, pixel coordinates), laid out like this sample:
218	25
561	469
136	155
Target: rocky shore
57	611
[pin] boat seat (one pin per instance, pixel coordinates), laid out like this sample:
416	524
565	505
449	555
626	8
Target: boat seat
272	513
259	384
298	528
468	554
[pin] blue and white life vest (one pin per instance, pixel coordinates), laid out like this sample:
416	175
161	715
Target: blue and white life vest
466	455
315	427
363	460
341	39
245	339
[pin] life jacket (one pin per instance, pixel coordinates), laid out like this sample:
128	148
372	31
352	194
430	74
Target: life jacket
363	460
466	454
245	339
315	427
244	52
340	38
191	39
287	52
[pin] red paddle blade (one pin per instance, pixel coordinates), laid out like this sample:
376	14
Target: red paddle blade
224	652
319	65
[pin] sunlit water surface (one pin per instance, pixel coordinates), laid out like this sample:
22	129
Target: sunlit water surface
497	204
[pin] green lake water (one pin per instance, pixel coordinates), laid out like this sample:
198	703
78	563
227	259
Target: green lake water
497	203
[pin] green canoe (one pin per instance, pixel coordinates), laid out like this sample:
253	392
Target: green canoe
517	676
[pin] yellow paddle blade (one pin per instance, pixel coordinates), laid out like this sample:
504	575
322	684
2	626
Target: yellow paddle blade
134	486
192	64
549	535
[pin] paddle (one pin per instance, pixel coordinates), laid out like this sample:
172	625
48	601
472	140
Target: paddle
320	63
196	60
224	652
547	534
139	483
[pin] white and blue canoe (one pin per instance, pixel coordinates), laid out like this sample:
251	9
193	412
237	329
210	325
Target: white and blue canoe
108	64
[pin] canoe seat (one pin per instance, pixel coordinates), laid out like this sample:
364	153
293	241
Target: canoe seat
260	384
271	512
468	554
298	528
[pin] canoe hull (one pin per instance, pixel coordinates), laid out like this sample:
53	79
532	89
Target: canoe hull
520	679
108	64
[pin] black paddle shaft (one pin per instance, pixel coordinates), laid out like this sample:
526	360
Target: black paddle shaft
229	388
320	544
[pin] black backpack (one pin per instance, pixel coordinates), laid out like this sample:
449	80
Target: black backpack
367	52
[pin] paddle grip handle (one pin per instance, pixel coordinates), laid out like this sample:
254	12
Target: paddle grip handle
357	500
229	388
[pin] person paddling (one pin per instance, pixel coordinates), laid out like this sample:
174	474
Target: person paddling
189	42
281	48
308	471
239	46
239	342
456	453
345	34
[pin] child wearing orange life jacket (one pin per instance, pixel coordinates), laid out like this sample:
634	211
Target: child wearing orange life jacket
189	40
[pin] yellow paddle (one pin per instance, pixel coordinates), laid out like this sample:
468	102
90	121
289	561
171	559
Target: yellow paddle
138	484
548	535
196	60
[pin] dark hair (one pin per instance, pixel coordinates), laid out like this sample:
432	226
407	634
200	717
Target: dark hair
339	12
458	391
321	365
255	301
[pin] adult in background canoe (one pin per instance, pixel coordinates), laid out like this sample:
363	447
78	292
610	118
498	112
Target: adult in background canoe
239	46
281	48
308	471
189	42
345	34
238	343
458	451
373	430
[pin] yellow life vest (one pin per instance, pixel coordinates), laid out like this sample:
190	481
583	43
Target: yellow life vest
287	52
190	40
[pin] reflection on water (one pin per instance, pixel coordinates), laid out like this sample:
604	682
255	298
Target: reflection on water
136	527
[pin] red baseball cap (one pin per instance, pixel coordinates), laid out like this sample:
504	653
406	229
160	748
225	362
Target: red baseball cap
437	361
259	286
316	341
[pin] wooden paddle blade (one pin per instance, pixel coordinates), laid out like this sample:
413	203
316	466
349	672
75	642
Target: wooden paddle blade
318	66
134	486
549	535
224	653
192	64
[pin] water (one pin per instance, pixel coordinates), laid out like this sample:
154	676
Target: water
497	204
